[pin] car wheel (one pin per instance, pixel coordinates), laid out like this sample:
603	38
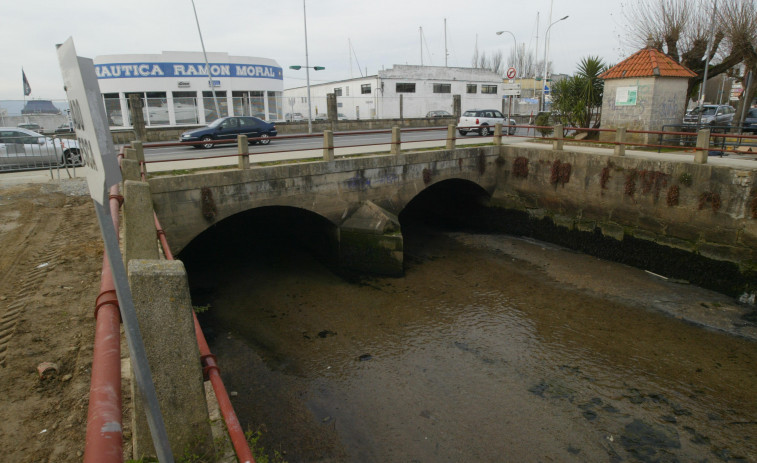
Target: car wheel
73	157
511	131
484	131
207	139
264	139
462	132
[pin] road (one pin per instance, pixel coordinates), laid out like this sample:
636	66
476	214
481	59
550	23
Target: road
302	146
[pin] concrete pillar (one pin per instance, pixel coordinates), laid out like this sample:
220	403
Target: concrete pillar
164	312
396	140
401	107
328	145
450	137
703	146
139	149
130	153
130	170
456	106
331	108
620	139
498	134
137	117
140	235
243	148
558	141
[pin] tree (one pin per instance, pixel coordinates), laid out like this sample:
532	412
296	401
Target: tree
681	29
578	99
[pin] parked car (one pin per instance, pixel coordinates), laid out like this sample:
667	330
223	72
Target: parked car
65	128
711	114
483	122
227	128
438	113
294	117
320	117
750	122
30	126
24	149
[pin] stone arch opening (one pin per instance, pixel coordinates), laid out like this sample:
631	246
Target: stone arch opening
454	204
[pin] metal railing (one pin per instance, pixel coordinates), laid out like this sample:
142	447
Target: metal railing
22	152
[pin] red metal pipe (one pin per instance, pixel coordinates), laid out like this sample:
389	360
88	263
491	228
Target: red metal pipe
103	443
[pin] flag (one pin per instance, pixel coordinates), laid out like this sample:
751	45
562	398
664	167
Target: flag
27	87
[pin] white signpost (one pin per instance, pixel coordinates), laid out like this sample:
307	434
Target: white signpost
101	167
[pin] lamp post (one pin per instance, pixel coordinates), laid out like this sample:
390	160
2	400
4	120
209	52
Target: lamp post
514	41
207	65
307	68
546	47
307	73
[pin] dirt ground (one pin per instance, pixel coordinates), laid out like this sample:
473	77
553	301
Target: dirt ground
50	261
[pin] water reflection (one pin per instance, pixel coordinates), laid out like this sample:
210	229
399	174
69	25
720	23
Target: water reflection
477	356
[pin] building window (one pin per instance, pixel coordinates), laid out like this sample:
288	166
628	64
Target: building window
338	91
471	88
365	89
405	88
157	108
185	107
210	105
249	103
490	89
442	88
113	109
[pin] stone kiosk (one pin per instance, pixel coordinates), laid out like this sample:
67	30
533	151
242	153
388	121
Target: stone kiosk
644	92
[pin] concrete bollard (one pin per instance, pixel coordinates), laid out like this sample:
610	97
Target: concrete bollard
450	137
243	148
620	139
703	147
328	145
498	134
164	311
140	234
139	150
396	140
130	170
557	143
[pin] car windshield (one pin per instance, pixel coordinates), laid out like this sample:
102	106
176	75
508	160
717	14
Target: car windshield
469	114
705	110
216	122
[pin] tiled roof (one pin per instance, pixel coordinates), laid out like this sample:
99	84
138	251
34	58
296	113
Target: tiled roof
648	62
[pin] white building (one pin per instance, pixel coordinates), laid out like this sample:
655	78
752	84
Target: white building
423	89
175	88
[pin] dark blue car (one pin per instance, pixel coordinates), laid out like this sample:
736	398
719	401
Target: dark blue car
227	128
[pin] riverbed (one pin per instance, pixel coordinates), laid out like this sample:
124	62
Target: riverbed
491	348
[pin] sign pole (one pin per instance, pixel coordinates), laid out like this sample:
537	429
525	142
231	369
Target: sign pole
101	167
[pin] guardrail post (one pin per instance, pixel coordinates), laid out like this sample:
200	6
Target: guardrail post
620	139
396	140
139	149
328	145
450	137
703	146
140	240
558	141
497	134
244	151
130	170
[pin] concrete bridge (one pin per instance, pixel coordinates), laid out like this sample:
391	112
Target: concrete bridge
642	204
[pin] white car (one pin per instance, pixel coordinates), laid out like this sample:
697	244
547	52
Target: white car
483	122
24	149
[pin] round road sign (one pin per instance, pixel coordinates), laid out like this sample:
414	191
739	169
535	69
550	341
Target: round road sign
511	73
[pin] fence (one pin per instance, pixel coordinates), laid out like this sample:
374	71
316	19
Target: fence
27	150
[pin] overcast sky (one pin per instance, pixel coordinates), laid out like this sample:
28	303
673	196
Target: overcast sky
383	33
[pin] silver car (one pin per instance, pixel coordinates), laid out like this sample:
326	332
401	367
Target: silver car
24	149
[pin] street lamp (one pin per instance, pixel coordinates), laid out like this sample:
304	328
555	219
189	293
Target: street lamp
546	47
307	68
307	73
514	41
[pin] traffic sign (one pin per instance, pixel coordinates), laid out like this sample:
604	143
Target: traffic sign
88	114
511	73
511	89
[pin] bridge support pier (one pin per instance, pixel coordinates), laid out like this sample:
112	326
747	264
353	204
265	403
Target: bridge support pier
370	241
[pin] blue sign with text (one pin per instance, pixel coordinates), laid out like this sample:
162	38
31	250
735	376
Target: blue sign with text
140	70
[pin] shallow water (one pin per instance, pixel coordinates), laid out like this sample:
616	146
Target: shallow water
479	353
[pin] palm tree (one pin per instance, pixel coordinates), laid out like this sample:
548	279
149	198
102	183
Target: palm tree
578	99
